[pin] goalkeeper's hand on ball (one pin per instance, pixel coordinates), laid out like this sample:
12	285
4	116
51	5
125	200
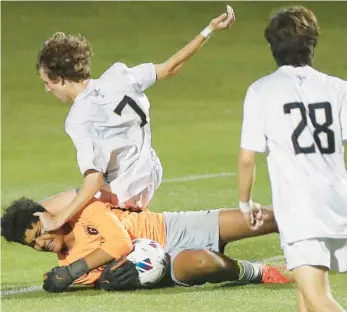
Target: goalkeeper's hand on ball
60	278
120	275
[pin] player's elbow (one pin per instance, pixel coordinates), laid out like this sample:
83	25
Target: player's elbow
246	163
166	70
246	158
124	248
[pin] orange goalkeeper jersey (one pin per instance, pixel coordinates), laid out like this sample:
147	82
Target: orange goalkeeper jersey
103	226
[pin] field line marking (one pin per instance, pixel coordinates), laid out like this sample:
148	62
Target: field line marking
16	291
199	177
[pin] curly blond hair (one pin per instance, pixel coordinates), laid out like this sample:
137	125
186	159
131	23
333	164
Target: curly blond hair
64	56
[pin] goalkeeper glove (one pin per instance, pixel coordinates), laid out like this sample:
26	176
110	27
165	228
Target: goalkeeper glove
120	276
60	278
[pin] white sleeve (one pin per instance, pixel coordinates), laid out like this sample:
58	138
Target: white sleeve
253	125
343	118
79	125
144	74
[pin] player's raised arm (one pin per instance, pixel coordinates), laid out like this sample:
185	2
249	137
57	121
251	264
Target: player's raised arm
175	62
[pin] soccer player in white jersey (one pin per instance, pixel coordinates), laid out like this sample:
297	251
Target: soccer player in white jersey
109	119
298	115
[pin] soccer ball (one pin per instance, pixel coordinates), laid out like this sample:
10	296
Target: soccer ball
150	260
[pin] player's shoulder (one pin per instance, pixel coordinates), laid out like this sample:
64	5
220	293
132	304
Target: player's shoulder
333	81
264	81
117	68
117	78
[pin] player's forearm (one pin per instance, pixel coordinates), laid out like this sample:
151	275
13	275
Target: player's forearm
93	181
246	170
110	250
173	65
97	258
56	204
175	62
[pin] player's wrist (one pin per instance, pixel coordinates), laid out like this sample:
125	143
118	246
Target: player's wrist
78	268
207	32
246	207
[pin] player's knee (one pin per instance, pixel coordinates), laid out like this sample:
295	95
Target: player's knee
193	266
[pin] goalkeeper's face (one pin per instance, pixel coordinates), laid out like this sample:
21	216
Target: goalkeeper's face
37	239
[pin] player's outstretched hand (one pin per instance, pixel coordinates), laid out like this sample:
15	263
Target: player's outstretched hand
120	276
223	21
49	223
57	280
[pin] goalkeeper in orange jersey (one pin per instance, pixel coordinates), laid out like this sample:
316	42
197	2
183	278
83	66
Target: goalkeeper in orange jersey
102	234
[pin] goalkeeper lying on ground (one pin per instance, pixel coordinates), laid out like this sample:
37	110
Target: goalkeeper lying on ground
101	235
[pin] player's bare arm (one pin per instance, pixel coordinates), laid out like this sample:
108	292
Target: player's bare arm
246	170
246	179
93	181
57	202
172	66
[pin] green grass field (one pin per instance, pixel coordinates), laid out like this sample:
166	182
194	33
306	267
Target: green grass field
196	121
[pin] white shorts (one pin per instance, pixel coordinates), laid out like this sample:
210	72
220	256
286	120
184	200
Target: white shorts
327	252
136	186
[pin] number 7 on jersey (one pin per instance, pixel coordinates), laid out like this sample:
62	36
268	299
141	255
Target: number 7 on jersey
128	100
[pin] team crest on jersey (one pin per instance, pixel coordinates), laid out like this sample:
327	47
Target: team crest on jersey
96	93
91	231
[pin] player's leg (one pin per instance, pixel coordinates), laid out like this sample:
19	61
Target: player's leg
233	227
301	302
198	266
314	287
310	261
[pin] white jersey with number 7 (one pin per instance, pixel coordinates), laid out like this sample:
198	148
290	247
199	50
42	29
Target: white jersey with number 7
110	127
299	116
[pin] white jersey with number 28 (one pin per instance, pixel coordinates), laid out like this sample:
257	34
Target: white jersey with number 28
110	127
299	116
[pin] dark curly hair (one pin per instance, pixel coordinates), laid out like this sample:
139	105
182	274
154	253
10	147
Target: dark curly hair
64	56
17	218
293	34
